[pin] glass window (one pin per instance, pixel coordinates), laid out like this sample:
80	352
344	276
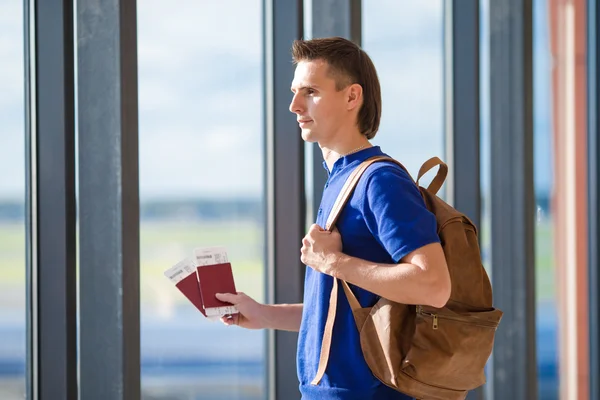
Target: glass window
12	200
406	42
545	274
201	184
485	241
484	143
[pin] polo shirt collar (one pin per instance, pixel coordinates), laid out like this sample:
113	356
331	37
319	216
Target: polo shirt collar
359	156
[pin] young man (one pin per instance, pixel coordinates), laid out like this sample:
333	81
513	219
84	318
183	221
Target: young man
385	243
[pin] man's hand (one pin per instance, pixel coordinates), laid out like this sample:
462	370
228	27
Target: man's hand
251	313
321	249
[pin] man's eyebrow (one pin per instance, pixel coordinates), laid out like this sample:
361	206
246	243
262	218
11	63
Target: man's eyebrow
304	87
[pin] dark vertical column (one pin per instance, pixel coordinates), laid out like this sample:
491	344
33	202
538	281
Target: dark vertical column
285	188
51	246
512	197
462	106
109	200
462	60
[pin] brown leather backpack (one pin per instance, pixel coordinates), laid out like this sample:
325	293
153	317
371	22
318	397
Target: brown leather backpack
426	352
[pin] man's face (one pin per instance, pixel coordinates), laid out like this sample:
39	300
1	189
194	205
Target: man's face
320	109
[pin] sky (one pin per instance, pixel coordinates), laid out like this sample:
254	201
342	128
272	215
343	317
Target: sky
201	90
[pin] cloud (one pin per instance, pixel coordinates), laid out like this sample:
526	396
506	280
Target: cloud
224	161
207	25
408	22
201	91
406	44
201	113
12	113
11	56
12	164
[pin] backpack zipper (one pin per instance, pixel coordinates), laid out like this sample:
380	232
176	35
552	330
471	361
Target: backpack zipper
436	317
429	314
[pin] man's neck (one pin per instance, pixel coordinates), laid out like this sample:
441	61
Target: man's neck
334	152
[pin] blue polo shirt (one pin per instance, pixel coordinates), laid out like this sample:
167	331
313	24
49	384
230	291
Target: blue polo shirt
384	220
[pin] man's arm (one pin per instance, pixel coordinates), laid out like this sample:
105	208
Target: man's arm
421	278
285	317
253	315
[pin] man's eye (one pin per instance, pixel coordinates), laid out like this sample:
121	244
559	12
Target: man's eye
310	91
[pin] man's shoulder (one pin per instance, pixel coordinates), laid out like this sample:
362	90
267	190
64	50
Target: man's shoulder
387	174
386	186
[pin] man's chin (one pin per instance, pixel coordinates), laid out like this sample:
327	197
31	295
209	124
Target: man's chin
308	136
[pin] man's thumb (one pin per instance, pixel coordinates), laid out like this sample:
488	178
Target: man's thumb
227	297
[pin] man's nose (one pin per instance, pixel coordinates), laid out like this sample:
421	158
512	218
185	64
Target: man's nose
295	105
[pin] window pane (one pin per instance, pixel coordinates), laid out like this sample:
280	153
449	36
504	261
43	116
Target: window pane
405	41
201	184
485	152
12	200
484	144
546	299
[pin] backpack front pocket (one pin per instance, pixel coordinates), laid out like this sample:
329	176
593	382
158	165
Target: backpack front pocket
450	350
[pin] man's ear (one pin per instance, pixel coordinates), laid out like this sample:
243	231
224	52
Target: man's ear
354	96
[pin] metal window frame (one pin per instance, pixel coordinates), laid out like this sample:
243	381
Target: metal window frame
512	198
593	61
50	197
341	18
461	108
109	200
284	177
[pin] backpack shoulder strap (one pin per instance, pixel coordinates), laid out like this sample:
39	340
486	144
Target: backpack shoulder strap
339	204
349	186
440	177
354	177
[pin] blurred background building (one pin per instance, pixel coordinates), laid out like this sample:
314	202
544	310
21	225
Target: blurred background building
132	133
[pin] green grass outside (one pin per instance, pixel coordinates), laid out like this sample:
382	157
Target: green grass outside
163	244
12	255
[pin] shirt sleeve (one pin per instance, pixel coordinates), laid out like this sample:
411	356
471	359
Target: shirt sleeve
395	212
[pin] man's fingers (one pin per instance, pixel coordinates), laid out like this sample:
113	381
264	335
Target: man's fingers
230	319
315	228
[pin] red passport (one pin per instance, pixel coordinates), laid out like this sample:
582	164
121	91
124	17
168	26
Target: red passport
213	279
183	276
200	283
189	287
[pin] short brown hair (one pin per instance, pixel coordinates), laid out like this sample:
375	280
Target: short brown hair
348	64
